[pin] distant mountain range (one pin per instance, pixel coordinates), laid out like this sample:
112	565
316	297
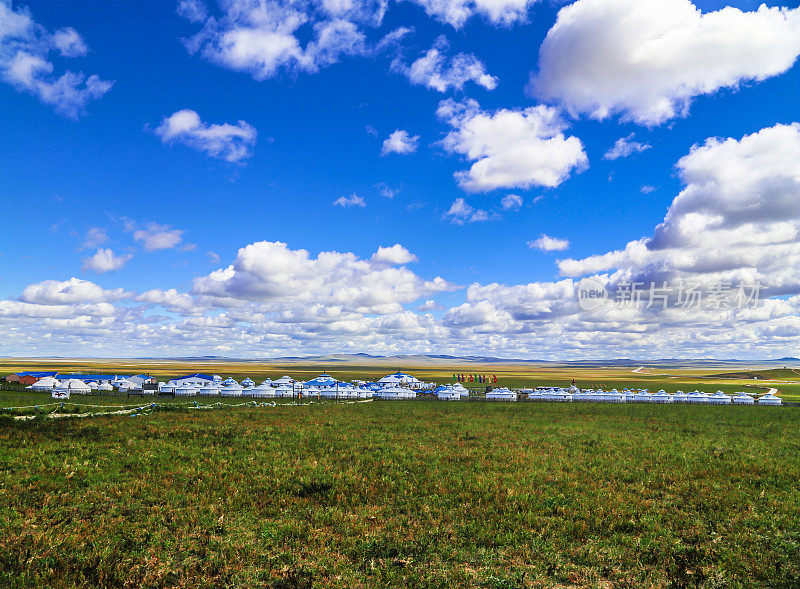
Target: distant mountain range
363	359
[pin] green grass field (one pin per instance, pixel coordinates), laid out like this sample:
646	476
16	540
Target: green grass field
420	494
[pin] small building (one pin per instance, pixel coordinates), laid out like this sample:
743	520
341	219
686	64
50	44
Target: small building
193	379
28	378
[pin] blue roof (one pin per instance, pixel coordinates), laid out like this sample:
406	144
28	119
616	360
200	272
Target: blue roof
36	374
324	380
91	377
197	375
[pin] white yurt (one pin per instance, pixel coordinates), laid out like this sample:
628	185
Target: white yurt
284	391
501	394
283	380
698	397
558	396
311	391
228	381
267	381
448	394
328	393
248	383
365	393
208	390
582	396
123	384
45	384
186	390
92	385
680	397
662	396
231	390
263	391
73	386
743	399
719	398
248	391
769	399
394	393
104	386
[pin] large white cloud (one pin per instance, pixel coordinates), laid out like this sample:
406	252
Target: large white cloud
510	148
647	59
270	272
738	217
231	143
25	62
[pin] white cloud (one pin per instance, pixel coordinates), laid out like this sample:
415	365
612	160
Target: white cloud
461	212
263	37
624	147
74	290
546	243
511	202
510	148
647	59
457	12
104	261
738	217
436	71
270	272
95	237
401	142
395	255
25	48
154	236
231	143
349	201
192	10
387	191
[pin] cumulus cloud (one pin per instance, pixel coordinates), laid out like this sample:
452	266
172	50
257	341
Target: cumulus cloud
263	37
457	12
74	290
270	272
395	255
624	147
647	59
155	236
511	202
349	201
231	143
510	148
104	260
737	218
436	71
400	141
461	212
25	63
546	243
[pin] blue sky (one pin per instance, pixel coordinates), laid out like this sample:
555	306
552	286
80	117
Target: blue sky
113	189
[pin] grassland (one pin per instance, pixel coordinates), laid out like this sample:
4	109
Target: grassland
419	494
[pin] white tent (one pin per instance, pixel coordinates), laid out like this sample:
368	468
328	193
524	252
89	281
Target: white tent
45	384
123	384
92	385
208	390
248	391
263	391
186	390
104	386
74	386
448	393
284	380
394	393
365	393
680	397
229	381
698	397
284	391
719	398
769	399
743	399
501	394
248	383
662	396
311	391
231	390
